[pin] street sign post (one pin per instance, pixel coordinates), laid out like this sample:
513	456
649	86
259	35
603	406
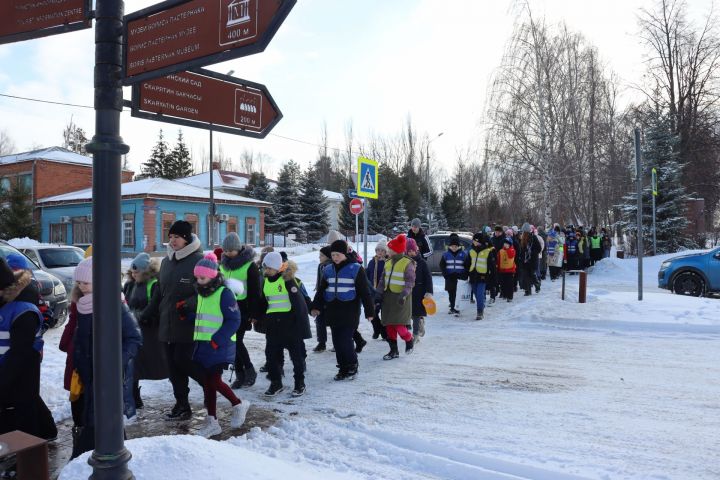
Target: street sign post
25	20
209	100
367	187
654	194
179	35
356	206
367	179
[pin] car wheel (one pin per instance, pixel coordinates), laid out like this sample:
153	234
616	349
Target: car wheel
689	283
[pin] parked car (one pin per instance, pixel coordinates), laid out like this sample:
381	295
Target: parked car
52	290
696	274
58	260
439	243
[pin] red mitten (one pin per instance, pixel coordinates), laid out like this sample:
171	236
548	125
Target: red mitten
214	345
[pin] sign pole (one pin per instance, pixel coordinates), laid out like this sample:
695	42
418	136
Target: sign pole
110	458
365	229
638	170
211	223
654	194
356	229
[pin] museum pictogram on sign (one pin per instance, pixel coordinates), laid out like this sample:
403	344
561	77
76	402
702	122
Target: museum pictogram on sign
238	20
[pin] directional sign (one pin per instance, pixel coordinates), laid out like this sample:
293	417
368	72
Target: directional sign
179	35
356	206
367	180
654	182
205	99
27	19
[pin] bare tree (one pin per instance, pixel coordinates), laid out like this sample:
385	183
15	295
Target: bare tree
7	145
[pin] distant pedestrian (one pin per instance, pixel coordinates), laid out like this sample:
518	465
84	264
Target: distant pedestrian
416	233
423	289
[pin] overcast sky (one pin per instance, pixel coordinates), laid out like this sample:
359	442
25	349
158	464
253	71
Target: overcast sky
370	62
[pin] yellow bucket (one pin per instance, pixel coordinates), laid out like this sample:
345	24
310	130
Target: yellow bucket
430	306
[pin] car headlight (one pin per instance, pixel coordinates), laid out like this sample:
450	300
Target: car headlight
665	265
59	290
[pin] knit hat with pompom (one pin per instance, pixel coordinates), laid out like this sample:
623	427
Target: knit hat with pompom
207	266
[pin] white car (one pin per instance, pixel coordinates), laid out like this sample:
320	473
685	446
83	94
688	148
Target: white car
59	260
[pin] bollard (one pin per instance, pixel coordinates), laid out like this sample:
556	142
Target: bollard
582	293
562	294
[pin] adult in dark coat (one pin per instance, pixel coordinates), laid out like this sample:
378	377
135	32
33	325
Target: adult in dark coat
21	407
151	362
423	288
417	234
529	256
171	301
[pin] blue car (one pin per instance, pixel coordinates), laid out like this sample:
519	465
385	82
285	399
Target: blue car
696	274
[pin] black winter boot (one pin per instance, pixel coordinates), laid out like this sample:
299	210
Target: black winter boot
138	399
239	378
409	346
393	353
250	377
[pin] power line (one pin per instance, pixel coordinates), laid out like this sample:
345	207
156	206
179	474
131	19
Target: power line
16	97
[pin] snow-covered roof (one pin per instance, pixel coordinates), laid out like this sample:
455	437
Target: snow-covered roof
236	181
155	187
52	154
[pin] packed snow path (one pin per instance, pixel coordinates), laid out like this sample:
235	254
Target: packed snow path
540	389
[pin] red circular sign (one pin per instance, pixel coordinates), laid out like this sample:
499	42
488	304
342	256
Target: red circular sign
356	206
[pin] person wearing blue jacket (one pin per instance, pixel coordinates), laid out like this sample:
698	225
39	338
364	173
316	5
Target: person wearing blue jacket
83	355
375	271
452	265
217	319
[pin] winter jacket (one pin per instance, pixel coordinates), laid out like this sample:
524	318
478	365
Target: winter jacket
319	276
374	272
460	255
176	281
530	252
66	344
556	247
151	361
393	313
249	307
339	313
423	285
497	242
475	276
223	352
296	320
506	260
21	407
422	242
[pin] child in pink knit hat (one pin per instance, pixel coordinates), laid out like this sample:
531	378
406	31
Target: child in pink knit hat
217	318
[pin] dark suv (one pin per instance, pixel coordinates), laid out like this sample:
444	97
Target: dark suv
52	290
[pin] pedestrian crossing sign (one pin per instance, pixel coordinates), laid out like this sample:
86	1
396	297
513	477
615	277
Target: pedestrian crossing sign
367	181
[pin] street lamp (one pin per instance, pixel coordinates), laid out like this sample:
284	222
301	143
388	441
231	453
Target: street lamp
211	216
427	170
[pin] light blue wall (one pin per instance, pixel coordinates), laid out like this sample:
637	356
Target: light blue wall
52	214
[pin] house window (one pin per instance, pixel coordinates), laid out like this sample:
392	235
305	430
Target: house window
250	230
82	231
192	219
232	225
128	229
167	221
58	233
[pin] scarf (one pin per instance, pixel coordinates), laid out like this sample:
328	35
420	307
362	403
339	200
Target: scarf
188	249
85	304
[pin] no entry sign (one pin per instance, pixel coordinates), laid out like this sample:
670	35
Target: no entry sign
179	35
356	206
26	19
206	99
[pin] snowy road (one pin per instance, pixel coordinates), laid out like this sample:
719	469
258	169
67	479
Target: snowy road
541	389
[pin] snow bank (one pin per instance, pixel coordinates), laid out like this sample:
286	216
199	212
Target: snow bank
190	456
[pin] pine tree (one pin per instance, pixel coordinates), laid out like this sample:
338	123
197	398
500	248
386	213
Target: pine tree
313	206
258	188
440	220
346	220
16	216
156	164
660	152
286	199
178	163
453	209
400	223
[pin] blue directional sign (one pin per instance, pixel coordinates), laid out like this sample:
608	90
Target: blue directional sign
367	181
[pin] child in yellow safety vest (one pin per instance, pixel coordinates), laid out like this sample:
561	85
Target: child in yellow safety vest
480	265
217	318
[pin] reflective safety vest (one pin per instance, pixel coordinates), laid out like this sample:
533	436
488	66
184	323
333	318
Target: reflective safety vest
208	317
455	263
551	247
8	313
341	284
277	296
506	263
572	246
395	274
239	274
149	286
595	242
478	260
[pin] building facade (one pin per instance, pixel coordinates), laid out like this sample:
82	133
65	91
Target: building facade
148	208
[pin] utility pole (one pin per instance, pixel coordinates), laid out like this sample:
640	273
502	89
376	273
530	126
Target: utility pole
110	458
638	175
427	170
